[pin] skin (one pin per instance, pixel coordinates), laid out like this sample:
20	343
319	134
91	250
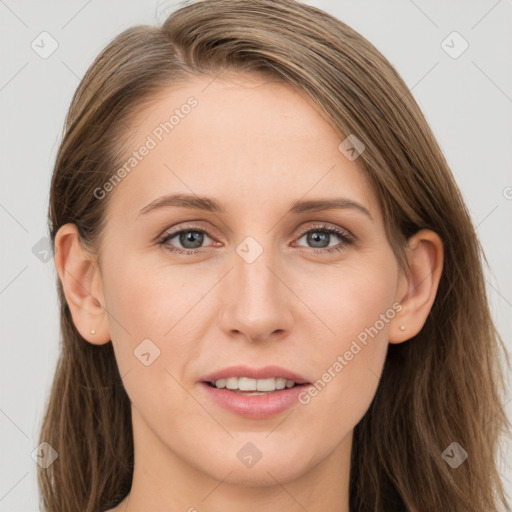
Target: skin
249	142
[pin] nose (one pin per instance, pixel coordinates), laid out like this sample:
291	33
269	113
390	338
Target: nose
257	301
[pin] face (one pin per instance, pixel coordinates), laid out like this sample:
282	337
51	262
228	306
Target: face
258	281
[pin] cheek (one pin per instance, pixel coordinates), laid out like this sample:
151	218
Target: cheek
345	299
355	306
155	322
150	335
146	299
141	307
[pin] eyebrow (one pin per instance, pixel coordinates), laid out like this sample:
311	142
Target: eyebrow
212	205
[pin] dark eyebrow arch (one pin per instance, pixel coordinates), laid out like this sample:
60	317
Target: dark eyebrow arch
211	205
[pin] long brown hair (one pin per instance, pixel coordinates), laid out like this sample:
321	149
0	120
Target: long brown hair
444	385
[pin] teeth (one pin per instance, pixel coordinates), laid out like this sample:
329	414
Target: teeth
281	383
246	384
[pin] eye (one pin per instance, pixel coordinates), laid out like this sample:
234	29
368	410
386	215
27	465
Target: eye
320	236
191	239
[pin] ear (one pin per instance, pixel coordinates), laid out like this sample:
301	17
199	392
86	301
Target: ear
417	289
81	280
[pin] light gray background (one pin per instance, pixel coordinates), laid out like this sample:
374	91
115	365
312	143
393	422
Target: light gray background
467	101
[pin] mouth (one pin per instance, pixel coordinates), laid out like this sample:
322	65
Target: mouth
253	387
257	396
255	393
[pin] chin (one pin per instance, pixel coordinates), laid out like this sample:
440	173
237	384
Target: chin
271	466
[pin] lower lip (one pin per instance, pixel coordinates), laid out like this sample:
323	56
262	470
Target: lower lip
255	406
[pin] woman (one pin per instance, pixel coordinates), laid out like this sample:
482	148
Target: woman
271	292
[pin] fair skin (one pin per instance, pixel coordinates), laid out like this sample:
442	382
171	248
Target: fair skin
255	146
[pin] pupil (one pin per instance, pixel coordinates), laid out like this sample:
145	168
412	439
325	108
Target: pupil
193	237
317	237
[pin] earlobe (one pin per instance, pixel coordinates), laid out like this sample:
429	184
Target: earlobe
417	290
81	281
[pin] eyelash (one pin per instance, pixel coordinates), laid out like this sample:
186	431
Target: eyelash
343	235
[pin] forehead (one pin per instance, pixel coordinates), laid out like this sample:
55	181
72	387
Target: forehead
244	139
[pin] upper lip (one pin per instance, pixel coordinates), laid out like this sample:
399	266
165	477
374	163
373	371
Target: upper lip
266	372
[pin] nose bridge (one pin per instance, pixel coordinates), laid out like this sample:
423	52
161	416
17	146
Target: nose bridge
258	303
252	271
